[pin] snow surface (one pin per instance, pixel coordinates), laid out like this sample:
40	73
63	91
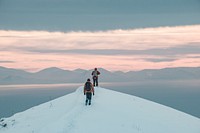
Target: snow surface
110	112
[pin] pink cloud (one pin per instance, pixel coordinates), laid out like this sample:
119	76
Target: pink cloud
18	47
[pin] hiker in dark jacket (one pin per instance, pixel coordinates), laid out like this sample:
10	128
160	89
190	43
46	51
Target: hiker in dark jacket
88	90
95	74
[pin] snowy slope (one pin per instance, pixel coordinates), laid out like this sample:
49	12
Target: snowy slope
110	112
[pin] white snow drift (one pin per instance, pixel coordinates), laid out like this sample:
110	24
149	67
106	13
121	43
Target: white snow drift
110	112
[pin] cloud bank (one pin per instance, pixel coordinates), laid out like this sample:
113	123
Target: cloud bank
132	49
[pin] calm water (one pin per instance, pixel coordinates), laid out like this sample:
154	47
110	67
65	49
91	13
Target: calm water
181	95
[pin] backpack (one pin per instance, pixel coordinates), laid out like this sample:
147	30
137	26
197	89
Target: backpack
88	86
95	73
98	73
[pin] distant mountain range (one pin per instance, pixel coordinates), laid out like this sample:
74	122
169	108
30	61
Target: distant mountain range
56	75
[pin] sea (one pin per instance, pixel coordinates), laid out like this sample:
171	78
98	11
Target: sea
182	95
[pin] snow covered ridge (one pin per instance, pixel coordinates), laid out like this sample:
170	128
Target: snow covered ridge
110	112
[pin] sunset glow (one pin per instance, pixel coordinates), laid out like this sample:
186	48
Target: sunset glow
125	50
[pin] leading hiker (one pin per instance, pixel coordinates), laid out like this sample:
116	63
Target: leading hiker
95	74
88	91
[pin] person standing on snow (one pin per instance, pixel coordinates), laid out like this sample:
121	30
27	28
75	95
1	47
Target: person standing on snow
88	90
95	74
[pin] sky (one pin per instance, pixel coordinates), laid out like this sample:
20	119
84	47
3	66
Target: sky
95	15
115	35
150	48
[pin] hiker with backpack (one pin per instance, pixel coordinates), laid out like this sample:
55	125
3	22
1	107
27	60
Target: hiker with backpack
95	74
88	91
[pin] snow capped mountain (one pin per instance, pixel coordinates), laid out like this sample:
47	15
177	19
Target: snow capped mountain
110	112
80	70
14	76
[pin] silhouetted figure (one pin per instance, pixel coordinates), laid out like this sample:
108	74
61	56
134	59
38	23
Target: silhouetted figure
95	74
88	90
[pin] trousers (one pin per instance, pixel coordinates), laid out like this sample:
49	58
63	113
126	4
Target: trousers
88	97
95	81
